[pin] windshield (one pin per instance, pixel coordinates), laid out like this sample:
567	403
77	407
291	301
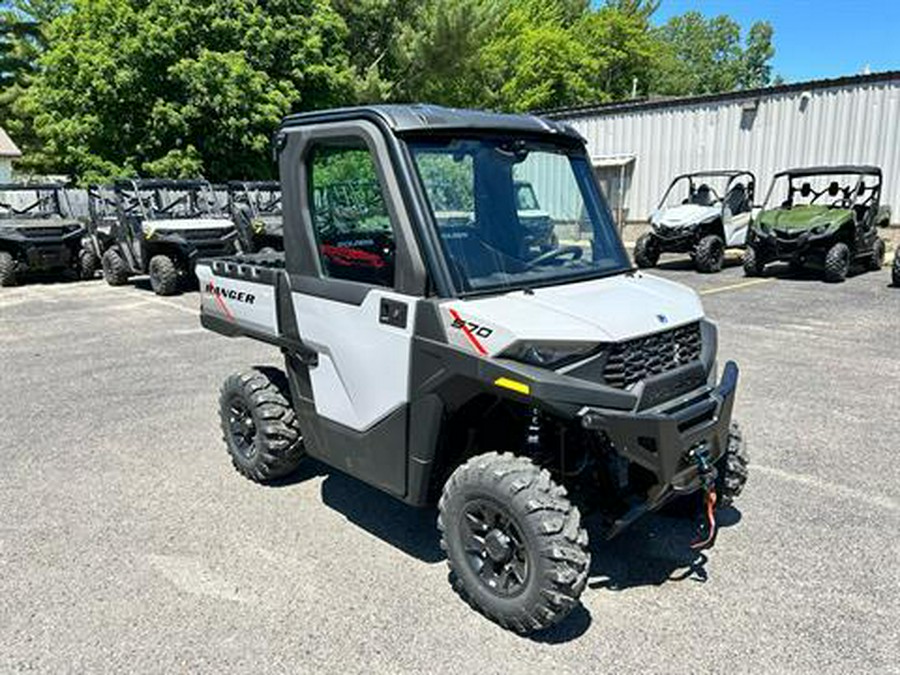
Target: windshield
31	203
475	191
157	203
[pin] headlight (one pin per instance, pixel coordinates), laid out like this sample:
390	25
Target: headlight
550	355
819	229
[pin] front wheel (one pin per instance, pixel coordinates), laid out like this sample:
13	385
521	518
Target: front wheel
710	254
87	264
7	269
646	251
895	270
115	271
515	546
753	266
732	469
163	275
837	263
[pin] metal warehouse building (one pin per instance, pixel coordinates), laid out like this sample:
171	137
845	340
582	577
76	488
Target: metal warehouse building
638	146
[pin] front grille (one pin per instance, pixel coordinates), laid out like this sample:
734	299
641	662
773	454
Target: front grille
635	360
205	234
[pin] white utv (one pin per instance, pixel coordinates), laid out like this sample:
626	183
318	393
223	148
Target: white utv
162	227
449	361
702	213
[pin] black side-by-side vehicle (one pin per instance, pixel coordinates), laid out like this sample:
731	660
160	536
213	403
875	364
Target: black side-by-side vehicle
38	233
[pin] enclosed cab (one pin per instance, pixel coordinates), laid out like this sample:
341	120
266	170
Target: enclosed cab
826	218
450	361
255	208
162	228
38	233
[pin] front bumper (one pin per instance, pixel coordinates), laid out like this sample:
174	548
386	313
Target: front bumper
661	439
785	246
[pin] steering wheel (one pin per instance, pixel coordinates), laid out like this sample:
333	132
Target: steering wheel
570	249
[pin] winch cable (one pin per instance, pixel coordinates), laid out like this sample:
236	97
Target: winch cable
704	542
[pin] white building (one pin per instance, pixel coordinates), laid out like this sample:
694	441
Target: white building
638	146
8	152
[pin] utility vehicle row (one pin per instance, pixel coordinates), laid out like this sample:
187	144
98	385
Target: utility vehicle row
825	218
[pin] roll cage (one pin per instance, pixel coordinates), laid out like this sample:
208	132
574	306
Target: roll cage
737	195
154	199
855	195
262	197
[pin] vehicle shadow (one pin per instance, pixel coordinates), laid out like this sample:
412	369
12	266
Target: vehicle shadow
654	550
685	264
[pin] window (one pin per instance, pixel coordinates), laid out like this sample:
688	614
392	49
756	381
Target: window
513	213
349	214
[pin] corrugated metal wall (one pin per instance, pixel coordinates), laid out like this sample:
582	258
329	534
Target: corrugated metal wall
847	124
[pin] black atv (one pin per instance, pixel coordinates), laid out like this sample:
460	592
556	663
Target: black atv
39	234
827	220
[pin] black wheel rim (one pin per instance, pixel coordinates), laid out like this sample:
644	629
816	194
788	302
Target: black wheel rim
242	428
494	548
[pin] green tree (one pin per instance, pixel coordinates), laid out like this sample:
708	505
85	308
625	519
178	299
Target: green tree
165	86
706	56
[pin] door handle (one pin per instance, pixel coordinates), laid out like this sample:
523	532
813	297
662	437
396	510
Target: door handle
392	313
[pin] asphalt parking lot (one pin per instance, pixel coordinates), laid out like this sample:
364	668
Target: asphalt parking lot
128	543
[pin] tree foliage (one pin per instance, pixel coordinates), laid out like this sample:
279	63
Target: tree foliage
98	88
706	56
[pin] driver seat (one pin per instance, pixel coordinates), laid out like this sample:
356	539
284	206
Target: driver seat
702	195
736	199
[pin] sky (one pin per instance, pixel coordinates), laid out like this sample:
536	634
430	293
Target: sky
814	39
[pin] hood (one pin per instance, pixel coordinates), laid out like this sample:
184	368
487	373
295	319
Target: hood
35	223
803	217
172	224
603	310
685	215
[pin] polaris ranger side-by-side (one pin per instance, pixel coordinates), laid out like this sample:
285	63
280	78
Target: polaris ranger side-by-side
821	217
38	233
255	208
702	213
460	365
163	226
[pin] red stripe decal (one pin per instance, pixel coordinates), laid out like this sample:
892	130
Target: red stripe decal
468	333
223	306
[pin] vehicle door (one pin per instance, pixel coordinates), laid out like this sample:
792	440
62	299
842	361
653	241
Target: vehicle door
351	297
736	212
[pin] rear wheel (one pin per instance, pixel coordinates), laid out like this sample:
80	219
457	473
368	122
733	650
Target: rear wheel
7	269
837	263
163	275
259	424
646	251
710	254
753	266
115	271
87	264
515	546
877	258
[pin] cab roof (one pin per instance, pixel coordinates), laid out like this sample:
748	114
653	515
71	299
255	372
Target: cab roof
862	169
424	118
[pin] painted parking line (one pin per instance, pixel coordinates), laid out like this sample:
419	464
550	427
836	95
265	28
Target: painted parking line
736	287
834	489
